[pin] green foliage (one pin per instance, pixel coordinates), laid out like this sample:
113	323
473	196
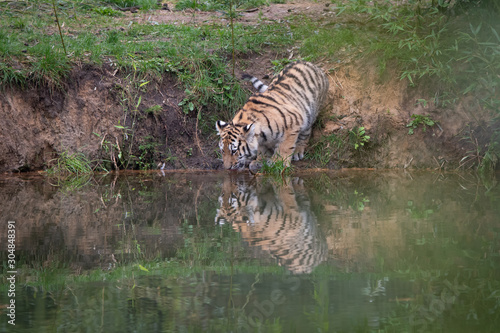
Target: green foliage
71	163
328	147
419	120
11	77
131	101
491	156
208	85
29	55
51	66
482	156
107	11
155	110
148	152
450	48
330	40
358	137
141	4
221	5
279	64
459	54
277	167
357	201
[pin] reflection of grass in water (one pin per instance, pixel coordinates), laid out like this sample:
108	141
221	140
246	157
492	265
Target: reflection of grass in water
69	182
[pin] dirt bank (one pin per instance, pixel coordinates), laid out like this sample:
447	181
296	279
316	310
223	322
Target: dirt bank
38	124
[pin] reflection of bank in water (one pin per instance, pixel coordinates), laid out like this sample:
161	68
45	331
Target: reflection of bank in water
275	217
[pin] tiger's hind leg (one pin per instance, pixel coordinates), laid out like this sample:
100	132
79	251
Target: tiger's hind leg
302	140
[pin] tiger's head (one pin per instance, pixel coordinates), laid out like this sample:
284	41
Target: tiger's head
237	144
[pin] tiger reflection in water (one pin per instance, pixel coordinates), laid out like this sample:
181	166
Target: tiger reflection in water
275	218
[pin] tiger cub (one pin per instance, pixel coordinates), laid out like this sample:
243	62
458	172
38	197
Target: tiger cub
277	121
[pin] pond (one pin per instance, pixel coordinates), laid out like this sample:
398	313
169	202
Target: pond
340	251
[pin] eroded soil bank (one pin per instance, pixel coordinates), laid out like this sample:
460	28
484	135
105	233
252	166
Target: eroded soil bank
93	114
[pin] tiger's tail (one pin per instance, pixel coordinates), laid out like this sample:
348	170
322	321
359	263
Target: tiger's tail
258	84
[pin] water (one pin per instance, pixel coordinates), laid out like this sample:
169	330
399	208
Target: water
346	251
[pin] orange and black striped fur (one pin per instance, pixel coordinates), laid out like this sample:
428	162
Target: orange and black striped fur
276	122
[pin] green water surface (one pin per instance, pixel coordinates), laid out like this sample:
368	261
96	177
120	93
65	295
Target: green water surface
343	251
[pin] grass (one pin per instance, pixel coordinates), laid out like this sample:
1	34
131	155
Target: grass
71	163
277	167
141	4
91	37
458	54
325	149
330	41
196	55
71	171
222	5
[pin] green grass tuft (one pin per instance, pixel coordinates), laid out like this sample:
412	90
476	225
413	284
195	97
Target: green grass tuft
276	167
67	163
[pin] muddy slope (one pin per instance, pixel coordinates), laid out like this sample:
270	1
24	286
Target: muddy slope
39	124
384	107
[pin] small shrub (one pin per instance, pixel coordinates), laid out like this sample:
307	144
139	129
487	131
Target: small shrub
419	120
358	137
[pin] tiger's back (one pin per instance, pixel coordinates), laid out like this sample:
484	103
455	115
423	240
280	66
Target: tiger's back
277	121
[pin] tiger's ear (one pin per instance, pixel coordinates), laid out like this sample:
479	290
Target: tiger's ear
219	125
249	131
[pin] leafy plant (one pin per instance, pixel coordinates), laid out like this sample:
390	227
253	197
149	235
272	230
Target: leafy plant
419	120
188	102
492	155
358	137
51	66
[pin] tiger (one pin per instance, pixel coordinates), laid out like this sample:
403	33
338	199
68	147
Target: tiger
276	121
257	84
273	219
